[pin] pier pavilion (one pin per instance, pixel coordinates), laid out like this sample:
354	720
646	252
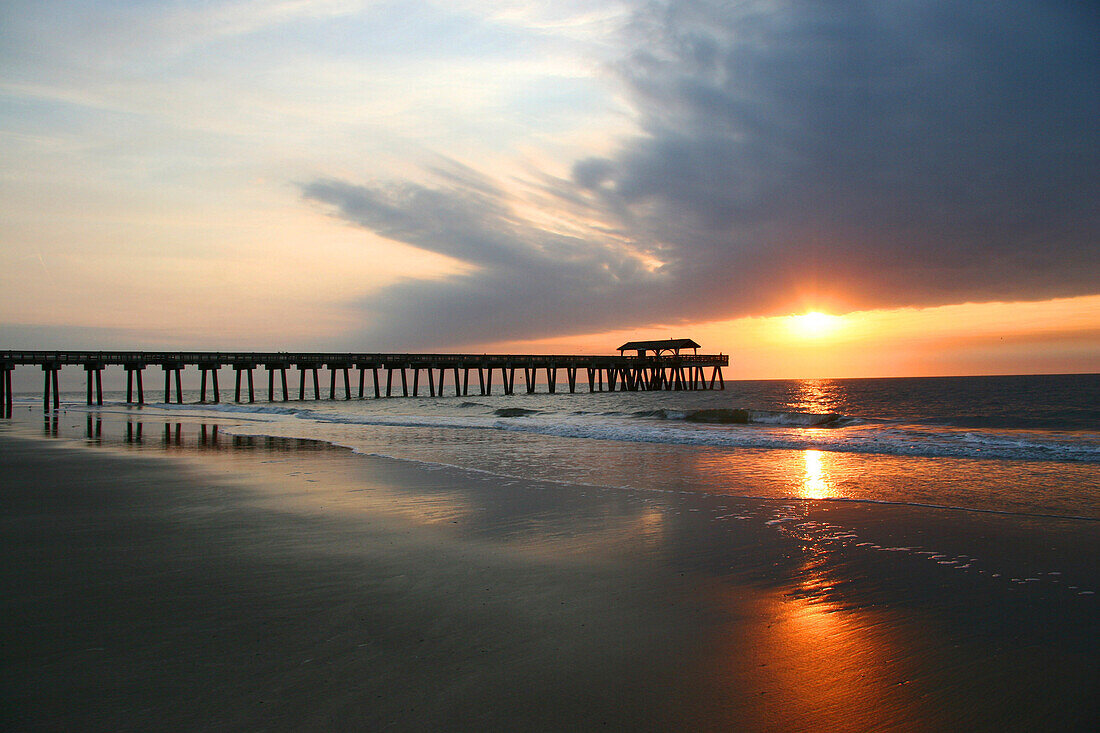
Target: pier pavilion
657	365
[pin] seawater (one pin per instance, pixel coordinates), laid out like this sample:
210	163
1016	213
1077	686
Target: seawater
1019	444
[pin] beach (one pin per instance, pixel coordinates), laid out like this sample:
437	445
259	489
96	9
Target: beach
167	575
672	365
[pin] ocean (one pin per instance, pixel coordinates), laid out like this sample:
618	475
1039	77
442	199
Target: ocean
1016	444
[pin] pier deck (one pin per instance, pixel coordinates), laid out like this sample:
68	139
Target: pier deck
624	373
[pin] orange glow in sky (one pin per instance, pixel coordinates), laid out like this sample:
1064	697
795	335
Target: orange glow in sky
1042	337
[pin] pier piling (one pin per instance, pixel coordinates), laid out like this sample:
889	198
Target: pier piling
5	388
93	368
49	373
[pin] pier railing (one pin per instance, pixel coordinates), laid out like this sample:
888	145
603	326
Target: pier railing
627	373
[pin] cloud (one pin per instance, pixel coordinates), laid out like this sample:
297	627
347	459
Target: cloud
846	154
521	276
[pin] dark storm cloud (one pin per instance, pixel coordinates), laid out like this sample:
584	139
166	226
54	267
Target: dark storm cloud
873	154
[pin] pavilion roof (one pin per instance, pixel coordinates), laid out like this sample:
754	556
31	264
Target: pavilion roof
661	345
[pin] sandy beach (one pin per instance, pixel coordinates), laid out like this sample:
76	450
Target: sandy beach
188	580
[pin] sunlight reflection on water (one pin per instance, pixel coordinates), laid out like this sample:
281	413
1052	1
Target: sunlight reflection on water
815	484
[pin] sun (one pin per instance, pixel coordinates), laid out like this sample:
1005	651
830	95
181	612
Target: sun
814	324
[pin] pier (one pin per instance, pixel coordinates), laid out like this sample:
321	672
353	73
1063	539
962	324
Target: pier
655	365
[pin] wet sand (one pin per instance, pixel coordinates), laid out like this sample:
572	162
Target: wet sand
180	579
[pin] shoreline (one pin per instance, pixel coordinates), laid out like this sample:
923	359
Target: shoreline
1055	489
114	415
524	604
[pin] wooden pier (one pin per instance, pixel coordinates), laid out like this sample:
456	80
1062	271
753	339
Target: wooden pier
389	374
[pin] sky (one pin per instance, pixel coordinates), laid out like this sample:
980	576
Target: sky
558	177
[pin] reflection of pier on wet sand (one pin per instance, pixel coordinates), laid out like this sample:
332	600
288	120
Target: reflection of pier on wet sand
663	369
201	435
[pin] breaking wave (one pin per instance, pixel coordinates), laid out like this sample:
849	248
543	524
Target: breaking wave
514	412
730	428
740	416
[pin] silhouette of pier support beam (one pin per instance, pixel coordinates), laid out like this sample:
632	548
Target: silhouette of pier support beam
49	374
95	375
170	369
363	367
5	389
238	369
211	369
302	369
334	368
377	389
133	374
403	370
273	367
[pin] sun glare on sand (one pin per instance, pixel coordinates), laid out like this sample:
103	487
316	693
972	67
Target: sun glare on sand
814	324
